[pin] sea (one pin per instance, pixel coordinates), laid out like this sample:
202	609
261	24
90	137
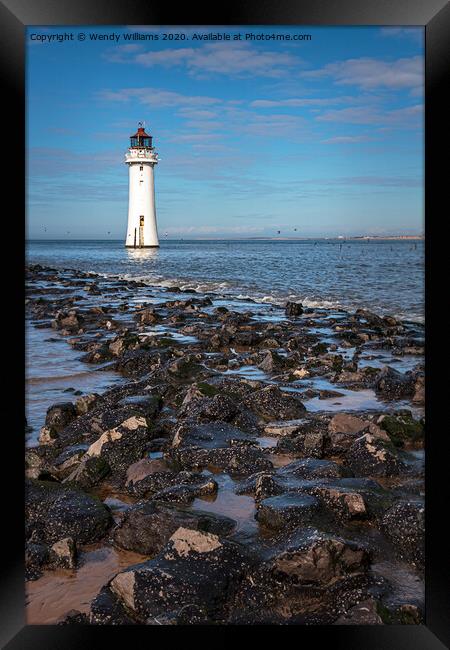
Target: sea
384	276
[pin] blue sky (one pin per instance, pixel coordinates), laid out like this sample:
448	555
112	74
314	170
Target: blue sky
312	138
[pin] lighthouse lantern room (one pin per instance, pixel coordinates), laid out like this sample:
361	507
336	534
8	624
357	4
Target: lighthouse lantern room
141	159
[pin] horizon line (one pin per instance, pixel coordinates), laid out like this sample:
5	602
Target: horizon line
266	238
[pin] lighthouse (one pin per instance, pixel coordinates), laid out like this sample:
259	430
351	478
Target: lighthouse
141	159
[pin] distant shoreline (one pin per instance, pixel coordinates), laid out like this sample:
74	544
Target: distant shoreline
358	238
340	238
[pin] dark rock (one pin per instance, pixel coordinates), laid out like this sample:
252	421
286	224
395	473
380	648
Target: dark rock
370	317
186	493
238	389
147	405
261	485
287	510
136	363
196	568
213	435
285	428
240	459
403	428
273	404
315	558
220	407
65	462
293	309
119	405
247	338
98	353
106	609
185	368
60	415
206	389
36	556
404	526
146	528
189	615
35	461
73	617
70	321
344	503
48	435
265	486
309	468
149	476
419	390
369	456
272	362
394	385
309	444
319	349
55	511
364	613
87	403
344	429
63	553
407	614
148	316
339	443
345	423
268	344
89	472
122	445
122	343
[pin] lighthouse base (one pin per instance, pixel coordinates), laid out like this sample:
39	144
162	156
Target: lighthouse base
138	247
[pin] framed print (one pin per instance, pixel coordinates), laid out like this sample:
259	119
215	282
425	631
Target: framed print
224	229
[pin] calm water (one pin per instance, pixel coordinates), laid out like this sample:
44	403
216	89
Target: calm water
384	276
53	374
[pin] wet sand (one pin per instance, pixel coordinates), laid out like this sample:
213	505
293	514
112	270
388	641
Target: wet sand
56	593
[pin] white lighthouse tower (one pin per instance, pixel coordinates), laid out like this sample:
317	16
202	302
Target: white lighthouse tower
141	158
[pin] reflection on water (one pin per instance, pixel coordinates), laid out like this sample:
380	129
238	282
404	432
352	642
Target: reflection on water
142	255
248	372
226	502
170	332
365	399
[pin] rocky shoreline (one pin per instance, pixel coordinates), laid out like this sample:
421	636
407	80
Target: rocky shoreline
264	465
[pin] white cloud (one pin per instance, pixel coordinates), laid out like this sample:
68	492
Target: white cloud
347	139
195	137
406	73
414	33
407	117
197	114
157	98
225	116
383	181
297	102
121	53
232	59
273	125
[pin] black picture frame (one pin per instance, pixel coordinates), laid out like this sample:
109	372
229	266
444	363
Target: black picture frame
434	15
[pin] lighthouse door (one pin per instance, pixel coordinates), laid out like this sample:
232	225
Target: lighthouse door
141	231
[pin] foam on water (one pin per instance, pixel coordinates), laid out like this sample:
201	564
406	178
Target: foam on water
384	276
